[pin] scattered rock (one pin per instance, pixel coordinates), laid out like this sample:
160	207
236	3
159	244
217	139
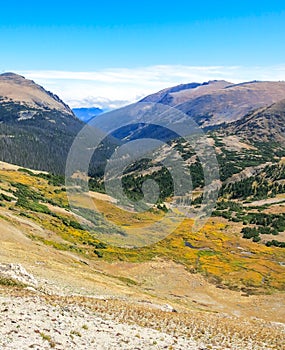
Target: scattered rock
18	273
168	308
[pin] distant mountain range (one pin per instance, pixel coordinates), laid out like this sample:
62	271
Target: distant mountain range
86	114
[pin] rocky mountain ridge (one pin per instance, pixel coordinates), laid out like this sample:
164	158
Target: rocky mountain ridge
217	102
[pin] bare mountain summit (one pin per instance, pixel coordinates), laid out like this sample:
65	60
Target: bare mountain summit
184	92
27	92
217	102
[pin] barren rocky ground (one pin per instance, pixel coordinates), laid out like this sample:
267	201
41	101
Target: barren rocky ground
31	323
33	316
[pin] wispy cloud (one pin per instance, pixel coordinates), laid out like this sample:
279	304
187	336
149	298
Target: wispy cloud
112	88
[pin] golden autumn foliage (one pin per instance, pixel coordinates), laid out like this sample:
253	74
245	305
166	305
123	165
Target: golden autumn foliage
217	251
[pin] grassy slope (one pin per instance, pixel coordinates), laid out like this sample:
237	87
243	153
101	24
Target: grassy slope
220	253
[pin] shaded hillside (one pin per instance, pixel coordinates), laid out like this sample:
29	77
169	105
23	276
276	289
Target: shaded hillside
36	127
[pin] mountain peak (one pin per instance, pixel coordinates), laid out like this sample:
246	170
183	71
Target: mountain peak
26	92
13	78
11	75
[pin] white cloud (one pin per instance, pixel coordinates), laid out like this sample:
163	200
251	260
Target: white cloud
113	88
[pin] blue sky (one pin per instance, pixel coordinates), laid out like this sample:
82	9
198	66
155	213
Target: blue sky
126	43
